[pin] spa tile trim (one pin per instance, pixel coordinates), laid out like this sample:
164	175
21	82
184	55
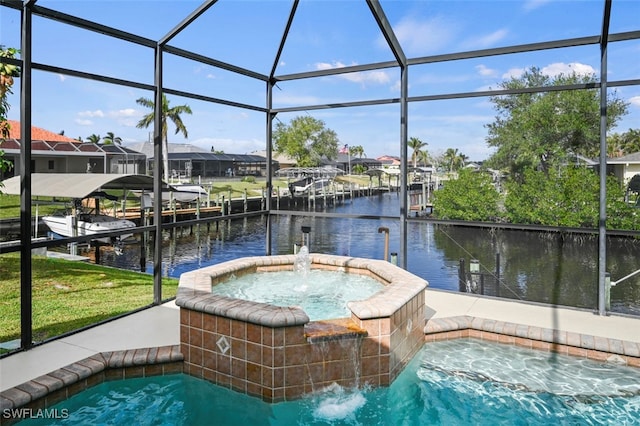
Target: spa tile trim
194	291
242	310
569	343
58	385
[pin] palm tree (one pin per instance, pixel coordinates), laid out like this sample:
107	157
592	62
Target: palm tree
423	157
416	144
93	138
112	139
631	141
356	150
449	158
454	159
174	115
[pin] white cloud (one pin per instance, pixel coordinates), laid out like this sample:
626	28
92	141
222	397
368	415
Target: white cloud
554	70
96	113
486	41
558	68
530	5
635	101
485	72
127	112
422	37
83	122
513	73
375	77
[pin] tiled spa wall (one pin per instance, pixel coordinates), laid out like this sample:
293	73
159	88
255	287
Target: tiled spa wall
277	354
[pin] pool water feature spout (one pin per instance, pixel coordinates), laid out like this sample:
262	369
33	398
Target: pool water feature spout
303	262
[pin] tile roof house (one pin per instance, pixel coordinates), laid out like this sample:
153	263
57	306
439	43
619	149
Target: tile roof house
55	153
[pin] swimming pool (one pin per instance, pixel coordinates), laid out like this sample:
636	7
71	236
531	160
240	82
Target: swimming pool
463	381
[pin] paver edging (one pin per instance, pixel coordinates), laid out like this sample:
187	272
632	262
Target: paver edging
51	388
576	344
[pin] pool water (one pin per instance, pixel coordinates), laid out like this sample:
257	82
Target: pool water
322	294
458	382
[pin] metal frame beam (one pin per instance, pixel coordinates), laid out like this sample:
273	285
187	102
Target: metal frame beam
602	223
387	31
26	272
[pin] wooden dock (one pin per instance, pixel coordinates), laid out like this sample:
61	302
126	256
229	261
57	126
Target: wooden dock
179	213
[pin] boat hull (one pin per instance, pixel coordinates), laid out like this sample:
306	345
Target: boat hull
89	225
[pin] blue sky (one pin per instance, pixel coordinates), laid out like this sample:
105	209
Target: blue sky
324	34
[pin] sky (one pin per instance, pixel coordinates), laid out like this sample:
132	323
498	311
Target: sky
324	34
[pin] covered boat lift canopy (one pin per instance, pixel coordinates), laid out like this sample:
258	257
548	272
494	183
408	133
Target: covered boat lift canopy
79	185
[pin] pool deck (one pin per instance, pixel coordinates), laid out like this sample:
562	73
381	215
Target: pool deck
160	326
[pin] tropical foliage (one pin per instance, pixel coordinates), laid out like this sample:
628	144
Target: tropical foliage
542	129
452	160
471	196
567	197
417	147
112	139
167	113
7	74
93	138
356	151
307	140
619	145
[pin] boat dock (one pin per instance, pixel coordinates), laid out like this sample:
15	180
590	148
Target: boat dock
177	214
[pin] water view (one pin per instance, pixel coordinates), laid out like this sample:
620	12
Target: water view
534	266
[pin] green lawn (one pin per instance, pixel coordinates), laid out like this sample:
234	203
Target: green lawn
68	295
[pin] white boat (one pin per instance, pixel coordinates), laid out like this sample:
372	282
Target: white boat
304	185
88	224
184	193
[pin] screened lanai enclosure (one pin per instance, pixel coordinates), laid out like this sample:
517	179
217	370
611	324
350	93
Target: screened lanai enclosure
380	74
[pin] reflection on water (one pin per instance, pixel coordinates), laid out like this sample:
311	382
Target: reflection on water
534	266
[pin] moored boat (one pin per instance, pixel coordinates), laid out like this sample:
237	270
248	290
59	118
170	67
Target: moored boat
88	224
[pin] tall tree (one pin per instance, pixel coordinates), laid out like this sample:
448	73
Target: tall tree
453	160
567	196
7	74
112	139
538	130
423	157
631	141
356	151
306	140
416	145
615	146
171	113
93	138
471	196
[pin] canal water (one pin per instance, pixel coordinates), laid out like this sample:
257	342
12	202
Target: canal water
533	266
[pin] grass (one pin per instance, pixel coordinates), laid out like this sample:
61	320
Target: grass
254	188
10	206
68	295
